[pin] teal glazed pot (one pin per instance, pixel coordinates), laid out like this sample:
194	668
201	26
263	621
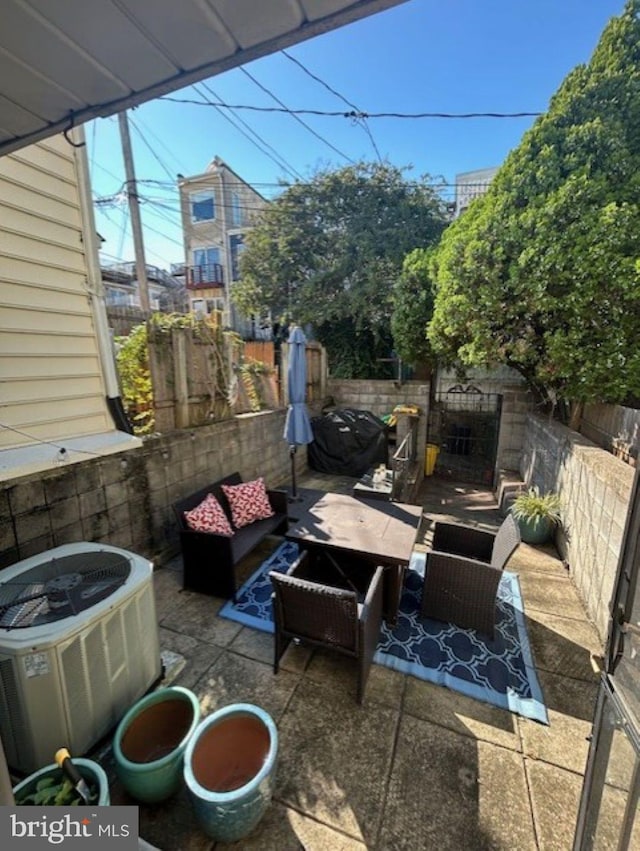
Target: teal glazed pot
150	743
229	770
91	772
537	531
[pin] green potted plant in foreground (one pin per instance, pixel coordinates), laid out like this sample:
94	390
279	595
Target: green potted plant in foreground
536	514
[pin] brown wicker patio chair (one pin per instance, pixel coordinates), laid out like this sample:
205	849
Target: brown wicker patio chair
327	616
463	572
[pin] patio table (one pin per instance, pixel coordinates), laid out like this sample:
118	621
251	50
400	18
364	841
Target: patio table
351	531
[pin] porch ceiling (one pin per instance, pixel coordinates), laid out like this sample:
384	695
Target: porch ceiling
63	62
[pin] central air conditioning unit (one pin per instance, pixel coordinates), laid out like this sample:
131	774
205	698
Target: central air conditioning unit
79	645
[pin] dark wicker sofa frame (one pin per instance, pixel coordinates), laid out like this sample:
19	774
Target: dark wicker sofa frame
463	572
209	559
327	616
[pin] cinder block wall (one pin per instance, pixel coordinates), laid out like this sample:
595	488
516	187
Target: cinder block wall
517	405
595	489
379	397
125	499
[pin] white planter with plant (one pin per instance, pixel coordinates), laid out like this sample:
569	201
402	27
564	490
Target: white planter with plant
536	514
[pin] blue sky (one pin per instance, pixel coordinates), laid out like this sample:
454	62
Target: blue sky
420	56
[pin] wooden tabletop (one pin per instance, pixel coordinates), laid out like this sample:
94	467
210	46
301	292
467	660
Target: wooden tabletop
385	531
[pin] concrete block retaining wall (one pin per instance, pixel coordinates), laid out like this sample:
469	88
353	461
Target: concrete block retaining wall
379	397
595	489
125	499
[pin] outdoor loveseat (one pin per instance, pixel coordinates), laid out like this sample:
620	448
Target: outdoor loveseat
209	559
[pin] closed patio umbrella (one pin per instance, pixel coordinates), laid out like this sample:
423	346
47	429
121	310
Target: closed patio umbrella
297	428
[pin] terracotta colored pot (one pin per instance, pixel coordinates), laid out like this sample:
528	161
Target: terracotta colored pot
229	770
151	740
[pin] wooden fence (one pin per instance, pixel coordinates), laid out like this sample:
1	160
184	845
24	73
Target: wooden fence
201	379
191	377
316	374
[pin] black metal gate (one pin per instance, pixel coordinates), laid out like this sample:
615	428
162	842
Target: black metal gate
466	428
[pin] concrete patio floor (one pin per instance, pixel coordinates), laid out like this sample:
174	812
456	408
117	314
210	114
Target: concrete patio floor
418	766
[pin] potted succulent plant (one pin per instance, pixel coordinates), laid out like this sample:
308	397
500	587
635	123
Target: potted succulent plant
536	514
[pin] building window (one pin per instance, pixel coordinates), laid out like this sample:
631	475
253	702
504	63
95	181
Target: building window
206	266
237	247
236	210
203	206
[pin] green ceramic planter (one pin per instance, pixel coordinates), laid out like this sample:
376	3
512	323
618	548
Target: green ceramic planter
90	771
537	531
150	742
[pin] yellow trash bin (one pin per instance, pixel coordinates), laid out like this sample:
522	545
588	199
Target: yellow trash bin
430	458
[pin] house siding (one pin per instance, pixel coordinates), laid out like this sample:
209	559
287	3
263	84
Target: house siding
50	370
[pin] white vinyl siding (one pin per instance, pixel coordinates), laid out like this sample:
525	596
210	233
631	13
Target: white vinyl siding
51	383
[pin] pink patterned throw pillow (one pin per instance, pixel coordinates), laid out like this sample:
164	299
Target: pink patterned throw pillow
248	502
209	516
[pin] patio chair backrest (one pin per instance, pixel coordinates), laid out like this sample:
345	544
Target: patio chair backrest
506	541
321	613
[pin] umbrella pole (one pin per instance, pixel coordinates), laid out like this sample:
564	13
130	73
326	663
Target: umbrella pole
294	489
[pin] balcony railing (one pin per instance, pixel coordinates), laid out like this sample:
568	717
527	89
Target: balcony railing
206	275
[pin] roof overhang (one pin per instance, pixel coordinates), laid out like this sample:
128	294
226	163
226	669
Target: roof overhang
64	62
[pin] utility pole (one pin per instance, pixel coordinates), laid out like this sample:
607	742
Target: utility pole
134	210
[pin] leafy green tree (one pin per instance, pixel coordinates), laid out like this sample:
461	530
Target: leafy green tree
543	272
413	298
328	251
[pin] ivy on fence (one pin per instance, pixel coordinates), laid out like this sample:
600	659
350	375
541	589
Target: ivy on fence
180	371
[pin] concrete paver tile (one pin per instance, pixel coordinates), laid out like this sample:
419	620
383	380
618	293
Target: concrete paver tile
553	594
284	829
450	792
562	645
542	558
461	714
259	646
196	615
569	696
236	679
336	672
555	795
334	759
199	655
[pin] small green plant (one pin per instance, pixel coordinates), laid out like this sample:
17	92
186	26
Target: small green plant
49	792
533	506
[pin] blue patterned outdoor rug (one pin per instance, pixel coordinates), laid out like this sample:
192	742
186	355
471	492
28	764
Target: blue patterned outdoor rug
500	672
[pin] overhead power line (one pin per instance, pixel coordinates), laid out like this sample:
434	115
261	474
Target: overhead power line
154	154
261	143
171	153
337	94
294	114
354	114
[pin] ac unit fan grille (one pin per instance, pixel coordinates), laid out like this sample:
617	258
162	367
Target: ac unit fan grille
60	587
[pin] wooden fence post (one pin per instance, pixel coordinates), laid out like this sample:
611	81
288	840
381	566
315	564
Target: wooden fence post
181	391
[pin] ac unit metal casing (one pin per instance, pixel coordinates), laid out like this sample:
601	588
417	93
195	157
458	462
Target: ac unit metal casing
69	682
